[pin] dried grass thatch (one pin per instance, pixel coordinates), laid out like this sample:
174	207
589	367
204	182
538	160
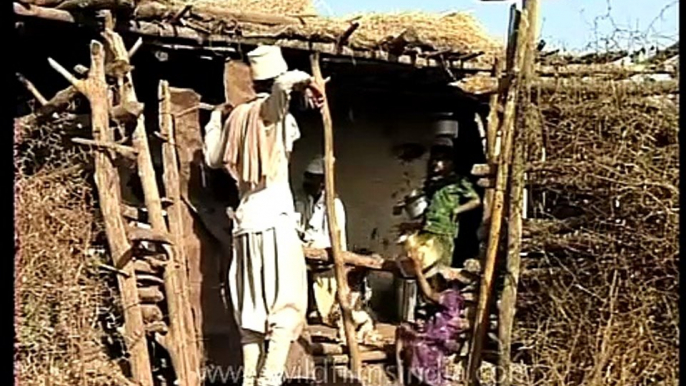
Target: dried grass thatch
457	31
454	32
60	297
277	7
601	306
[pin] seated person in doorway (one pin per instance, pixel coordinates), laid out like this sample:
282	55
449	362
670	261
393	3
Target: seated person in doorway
426	345
314	232
450	194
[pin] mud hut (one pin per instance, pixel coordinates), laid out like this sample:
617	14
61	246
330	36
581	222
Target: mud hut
390	75
600	231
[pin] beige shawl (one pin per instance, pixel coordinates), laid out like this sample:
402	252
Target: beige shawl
251	150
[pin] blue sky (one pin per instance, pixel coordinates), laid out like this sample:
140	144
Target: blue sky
566	24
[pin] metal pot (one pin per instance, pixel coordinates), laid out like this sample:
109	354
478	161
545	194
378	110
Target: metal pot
406	298
446	125
415	204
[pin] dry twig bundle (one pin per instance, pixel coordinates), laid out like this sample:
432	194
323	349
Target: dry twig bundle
60	298
601	307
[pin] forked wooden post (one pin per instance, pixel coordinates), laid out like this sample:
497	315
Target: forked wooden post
516	207
176	342
505	157
343	292
94	88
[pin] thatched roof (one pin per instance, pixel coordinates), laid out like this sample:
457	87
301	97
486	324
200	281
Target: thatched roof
455	34
454	39
276	7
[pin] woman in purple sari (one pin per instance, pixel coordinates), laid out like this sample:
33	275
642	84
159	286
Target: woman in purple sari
425	345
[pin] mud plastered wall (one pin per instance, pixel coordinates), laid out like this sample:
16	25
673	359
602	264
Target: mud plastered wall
369	178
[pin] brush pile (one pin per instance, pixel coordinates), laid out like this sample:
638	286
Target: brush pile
600	304
64	310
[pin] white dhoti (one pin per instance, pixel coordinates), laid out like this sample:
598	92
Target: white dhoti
268	281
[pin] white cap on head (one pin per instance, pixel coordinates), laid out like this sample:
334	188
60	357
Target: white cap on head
316	166
266	62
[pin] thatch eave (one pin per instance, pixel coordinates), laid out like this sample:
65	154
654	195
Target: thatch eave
204	30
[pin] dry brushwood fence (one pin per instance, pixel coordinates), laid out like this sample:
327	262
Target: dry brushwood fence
599	307
66	314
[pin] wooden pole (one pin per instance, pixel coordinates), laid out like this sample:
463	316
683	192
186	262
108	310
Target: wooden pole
343	292
94	88
172	189
496	101
514	242
492	122
486	284
177	339
32	89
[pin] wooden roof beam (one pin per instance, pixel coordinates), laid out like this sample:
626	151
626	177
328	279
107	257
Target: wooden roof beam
167	31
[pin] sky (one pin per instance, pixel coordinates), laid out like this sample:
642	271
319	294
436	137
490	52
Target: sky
572	25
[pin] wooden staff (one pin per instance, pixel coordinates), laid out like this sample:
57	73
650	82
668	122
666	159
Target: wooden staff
343	292
482	311
514	242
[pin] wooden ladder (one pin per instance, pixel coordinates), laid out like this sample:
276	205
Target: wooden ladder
147	252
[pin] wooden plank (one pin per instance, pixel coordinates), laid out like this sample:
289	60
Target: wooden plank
238	87
245	16
484	170
150	295
375	262
94	87
207	239
151	313
343	292
343	359
145	267
136	235
91	5
378	263
176	219
486	183
43	13
125	151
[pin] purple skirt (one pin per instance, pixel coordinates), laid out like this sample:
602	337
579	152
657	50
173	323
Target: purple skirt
429	344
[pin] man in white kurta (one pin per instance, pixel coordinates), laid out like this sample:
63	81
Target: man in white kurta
267	276
311	207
